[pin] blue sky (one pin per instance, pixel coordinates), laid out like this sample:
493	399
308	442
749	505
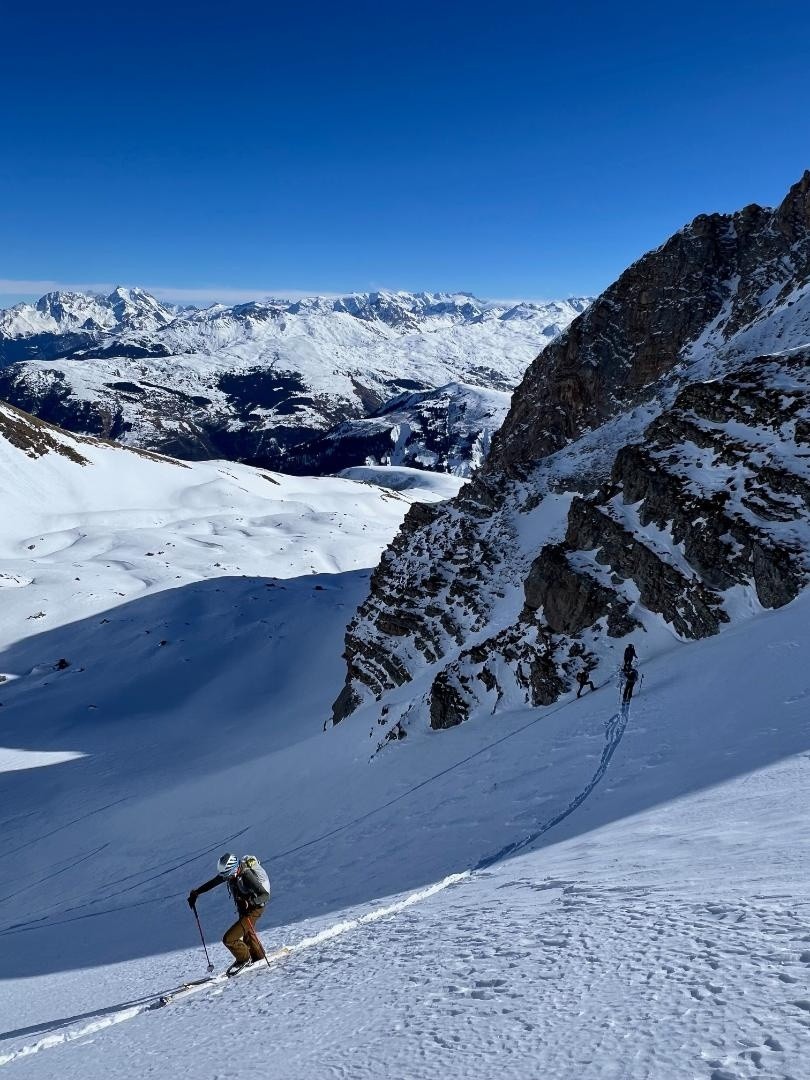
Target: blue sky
510	149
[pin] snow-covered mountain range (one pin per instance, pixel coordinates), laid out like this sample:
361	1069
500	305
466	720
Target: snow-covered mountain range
651	482
251	382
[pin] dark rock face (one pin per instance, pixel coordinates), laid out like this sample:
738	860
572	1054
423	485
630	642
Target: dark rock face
448	706
571	601
33	437
426	592
636	331
685	603
578	587
728	424
706	497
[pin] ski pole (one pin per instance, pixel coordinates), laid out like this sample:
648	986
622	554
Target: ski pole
202	939
257	939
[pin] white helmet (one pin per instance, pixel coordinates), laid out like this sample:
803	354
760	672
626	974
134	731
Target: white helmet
227	865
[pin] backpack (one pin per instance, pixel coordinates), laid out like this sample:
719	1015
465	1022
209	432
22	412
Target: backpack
253	883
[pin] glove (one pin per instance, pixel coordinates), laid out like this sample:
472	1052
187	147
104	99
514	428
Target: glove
192	898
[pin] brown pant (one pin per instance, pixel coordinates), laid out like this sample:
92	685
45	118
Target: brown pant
244	944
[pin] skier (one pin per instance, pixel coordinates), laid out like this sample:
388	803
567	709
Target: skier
630	679
249	887
630	657
583	680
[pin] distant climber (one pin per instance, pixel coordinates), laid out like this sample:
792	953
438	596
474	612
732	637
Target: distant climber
583	680
630	657
630	678
249	887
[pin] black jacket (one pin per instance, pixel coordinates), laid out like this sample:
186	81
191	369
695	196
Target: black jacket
245	888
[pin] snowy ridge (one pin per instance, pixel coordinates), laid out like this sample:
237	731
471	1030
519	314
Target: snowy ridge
63	313
249	382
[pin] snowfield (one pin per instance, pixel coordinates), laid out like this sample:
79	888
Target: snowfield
570	892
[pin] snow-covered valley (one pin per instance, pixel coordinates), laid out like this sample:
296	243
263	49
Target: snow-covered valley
572	891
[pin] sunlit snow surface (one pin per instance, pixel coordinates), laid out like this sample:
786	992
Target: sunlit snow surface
658	930
33	759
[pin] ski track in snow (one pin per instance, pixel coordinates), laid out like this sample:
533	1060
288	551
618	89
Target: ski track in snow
614	729
328	934
524	959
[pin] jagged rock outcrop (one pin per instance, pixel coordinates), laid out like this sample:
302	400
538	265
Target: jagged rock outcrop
571	601
701	288
653	471
33	437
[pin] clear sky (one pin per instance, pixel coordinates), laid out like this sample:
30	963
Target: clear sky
509	149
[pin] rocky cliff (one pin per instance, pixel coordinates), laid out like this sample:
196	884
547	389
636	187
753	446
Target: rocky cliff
651	480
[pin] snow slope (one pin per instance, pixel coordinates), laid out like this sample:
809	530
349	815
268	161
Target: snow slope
660	930
569	892
89	526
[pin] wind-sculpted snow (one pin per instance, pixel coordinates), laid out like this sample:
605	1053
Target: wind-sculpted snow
252	382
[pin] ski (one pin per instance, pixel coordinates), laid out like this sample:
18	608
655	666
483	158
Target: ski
193	986
183	988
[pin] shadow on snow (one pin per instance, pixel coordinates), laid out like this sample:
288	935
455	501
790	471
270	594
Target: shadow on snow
200	712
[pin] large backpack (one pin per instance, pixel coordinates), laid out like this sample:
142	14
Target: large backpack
253	882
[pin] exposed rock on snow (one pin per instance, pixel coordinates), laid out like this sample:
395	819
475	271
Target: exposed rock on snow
253	381
652	474
445	430
34	437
